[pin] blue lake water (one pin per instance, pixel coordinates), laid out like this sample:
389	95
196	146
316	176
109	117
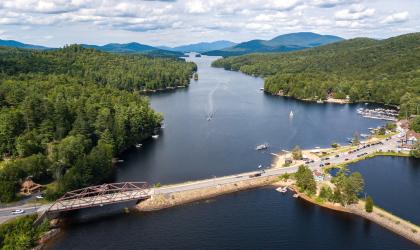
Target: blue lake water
191	147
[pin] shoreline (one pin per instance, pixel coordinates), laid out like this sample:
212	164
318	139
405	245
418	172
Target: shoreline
379	216
333	100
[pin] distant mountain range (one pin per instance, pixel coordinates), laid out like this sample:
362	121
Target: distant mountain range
132	48
201	47
16	44
282	43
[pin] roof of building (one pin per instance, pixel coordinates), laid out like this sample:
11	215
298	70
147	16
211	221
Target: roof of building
412	134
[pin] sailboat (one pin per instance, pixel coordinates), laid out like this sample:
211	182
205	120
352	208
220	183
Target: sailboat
291	114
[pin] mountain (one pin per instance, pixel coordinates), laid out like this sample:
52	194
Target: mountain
201	47
134	48
282	43
16	44
364	69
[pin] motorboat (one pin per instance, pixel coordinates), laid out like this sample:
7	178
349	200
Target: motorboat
281	189
139	145
155	136
291	114
262	146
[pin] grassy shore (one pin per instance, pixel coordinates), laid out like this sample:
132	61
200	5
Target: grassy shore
379	216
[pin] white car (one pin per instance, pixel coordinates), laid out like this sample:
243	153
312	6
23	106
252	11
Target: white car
18	211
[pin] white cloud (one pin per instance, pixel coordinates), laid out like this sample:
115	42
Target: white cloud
399	17
169	21
355	12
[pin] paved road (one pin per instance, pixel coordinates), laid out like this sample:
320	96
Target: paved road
6	213
385	145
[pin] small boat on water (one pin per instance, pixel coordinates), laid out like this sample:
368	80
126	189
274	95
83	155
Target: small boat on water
261	89
291	114
262	146
364	135
319	101
281	189
120	161
260	166
139	145
295	196
155	136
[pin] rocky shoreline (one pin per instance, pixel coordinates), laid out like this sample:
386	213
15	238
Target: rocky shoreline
161	201
378	216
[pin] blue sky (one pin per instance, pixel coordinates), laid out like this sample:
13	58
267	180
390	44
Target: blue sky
175	22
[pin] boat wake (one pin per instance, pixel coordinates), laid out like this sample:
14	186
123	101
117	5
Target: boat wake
210	113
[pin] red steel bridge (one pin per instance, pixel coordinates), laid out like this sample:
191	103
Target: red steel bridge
98	196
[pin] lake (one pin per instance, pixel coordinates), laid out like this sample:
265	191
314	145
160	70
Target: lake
191	147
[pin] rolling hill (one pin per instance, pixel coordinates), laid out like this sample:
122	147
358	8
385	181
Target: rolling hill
201	47
381	71
282	43
134	48
16	44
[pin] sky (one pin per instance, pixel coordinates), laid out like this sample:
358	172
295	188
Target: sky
56	23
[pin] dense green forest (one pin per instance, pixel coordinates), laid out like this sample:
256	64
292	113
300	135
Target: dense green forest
21	233
382	71
65	114
129	72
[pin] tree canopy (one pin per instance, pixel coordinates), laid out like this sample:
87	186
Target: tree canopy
64	114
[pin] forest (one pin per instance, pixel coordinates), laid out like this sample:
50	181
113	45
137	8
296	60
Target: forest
129	71
65	114
366	70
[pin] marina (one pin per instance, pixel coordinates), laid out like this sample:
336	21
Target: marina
378	113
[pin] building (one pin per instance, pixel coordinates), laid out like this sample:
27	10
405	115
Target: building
29	187
410	139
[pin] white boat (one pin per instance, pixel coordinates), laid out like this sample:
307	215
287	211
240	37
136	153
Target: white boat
139	145
262	146
120	161
261	89
364	135
281	189
291	114
155	136
260	166
295	196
